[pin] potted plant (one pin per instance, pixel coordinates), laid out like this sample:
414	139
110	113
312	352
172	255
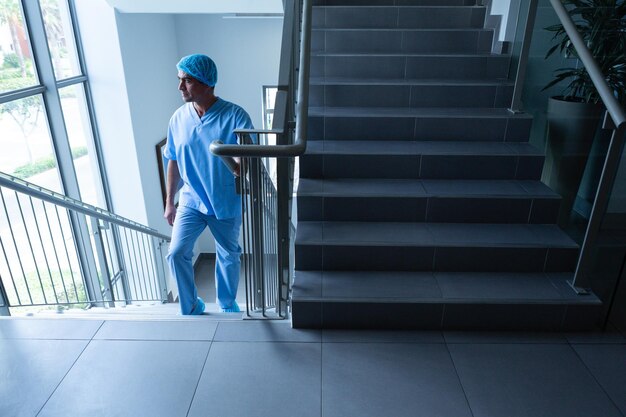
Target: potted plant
573	116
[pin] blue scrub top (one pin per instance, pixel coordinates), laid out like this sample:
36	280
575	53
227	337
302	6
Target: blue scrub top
209	186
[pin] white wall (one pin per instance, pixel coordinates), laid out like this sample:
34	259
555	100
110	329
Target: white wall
149	55
246	51
103	57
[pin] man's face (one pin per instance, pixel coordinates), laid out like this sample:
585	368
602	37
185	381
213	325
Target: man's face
191	89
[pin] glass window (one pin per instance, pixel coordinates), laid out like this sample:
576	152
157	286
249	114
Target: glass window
269	99
61	41
16	58
26	143
79	133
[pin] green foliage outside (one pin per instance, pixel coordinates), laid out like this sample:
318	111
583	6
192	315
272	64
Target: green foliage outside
53	285
602	26
11	61
44	164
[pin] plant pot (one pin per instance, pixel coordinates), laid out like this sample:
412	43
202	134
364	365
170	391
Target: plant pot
572	127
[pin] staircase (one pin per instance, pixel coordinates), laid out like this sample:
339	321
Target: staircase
419	203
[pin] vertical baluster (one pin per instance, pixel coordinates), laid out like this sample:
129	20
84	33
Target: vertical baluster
266	260
115	292
128	275
6	259
56	254
67	253
17	252
272	213
136	247
32	252
245	230
148	257
43	249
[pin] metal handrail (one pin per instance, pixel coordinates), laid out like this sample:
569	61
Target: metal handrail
33	190
581	281
302	108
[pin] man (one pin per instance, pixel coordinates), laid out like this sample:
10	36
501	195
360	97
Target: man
208	196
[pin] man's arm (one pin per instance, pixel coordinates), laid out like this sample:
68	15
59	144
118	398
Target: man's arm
173	178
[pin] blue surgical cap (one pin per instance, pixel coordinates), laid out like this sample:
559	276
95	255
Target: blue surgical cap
200	67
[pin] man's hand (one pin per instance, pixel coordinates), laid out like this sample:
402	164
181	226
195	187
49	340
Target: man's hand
173	178
170	213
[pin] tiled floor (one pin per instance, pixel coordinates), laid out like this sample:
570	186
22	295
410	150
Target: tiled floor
207	367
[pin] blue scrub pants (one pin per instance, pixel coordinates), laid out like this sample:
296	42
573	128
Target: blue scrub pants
188	225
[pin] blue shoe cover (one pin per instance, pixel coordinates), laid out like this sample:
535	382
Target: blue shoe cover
199	308
232	309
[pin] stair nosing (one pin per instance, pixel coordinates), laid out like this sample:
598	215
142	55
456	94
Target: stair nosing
408	193
429	240
324	81
408	54
400	29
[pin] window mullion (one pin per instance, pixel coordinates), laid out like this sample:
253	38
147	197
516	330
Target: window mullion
61	143
51	97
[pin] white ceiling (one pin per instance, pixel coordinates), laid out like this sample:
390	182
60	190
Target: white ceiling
198	6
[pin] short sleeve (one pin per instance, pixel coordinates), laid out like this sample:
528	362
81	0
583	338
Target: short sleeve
169	151
245	122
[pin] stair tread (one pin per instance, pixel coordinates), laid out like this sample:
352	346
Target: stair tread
412	147
439	112
336	7
409	54
464	29
437	287
355	187
432	234
403	81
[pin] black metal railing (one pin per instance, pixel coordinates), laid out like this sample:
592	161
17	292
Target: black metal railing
266	178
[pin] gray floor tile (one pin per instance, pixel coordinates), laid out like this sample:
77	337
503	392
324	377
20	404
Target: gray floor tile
373	284
384	379
394	233
608	364
260	379
380	336
307	284
503	337
62	328
30	370
481	234
551	235
157	330
473	187
502	286
130	378
528	381
370	147
264	331
374	187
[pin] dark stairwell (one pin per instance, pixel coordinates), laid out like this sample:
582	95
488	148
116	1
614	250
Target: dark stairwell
419	203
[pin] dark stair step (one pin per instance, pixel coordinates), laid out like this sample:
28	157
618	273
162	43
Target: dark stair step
440	300
401	17
335	92
423	41
425	160
394	2
425	124
404	246
411	66
403	200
